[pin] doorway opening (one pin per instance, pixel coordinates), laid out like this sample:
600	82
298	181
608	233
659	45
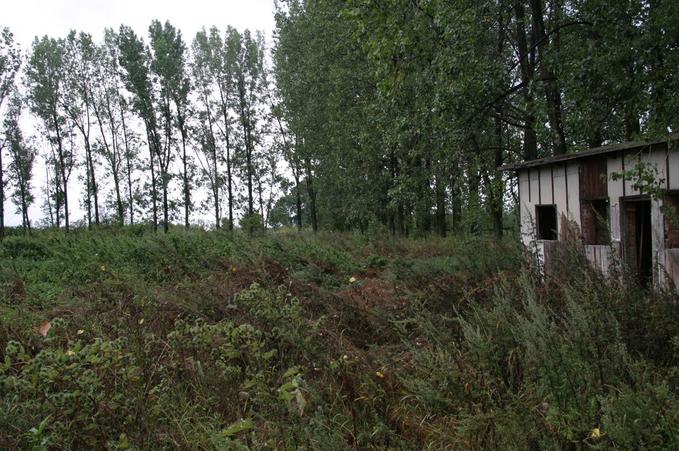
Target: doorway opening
638	248
546	222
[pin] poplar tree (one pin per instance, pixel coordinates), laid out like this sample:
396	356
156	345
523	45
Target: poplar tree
135	60
203	55
169	65
10	62
79	67
108	112
44	80
21	160
248	77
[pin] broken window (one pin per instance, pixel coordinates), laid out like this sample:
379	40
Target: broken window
671	213
546	222
595	221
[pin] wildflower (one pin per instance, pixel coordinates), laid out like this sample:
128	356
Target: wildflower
80	332
141	321
345	357
352	279
596	433
103	268
70	353
379	374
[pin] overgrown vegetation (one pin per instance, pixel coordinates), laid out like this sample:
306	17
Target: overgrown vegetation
123	338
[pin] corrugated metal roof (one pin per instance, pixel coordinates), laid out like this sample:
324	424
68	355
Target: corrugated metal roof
586	153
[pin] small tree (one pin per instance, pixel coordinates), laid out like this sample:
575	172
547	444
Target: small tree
44	79
22	157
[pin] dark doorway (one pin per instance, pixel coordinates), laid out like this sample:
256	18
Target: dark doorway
638	246
546	222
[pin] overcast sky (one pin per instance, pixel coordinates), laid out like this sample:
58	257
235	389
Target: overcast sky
28	18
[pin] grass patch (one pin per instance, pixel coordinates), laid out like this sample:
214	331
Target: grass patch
216	340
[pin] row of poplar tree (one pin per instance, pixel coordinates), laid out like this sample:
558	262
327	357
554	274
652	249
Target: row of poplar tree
387	115
139	119
404	109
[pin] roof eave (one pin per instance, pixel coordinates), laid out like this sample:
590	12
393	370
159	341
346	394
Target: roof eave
585	153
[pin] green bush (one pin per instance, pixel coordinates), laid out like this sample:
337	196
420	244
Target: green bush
252	224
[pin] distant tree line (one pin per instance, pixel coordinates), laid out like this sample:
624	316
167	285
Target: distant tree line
399	112
144	124
390	115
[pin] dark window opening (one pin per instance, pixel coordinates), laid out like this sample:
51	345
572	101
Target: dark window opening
671	214
637	239
546	222
595	222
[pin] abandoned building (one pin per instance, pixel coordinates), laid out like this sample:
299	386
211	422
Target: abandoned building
596	193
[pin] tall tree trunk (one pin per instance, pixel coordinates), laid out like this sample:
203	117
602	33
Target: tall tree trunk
128	164
2	197
247	137
166	206
213	155
229	184
47	195
631	116
248	156
261	201
153	142
527	71
187	194
497	187
227	136
298	197
552	90
93	180
181	120
23	193
441	207
62	169
119	199
88	193
114	155
456	201
391	219
474	198
312	194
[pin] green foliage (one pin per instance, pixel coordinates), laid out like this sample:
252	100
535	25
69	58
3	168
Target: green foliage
219	340
252	224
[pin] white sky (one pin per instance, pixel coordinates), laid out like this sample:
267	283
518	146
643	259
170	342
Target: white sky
30	18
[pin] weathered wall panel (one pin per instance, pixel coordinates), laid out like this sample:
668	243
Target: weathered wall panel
534	175
671	228
593	176
601	257
658	239
560	199
631	160
525	208
671	268
546	185
673	157
658	159
614	194
574	192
